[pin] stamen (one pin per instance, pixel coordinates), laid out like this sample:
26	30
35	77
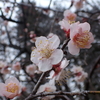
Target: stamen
12	87
81	40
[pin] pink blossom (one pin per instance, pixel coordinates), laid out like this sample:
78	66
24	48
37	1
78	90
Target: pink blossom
7	9
16	66
59	73
78	4
79	74
11	88
5	71
3	64
47	87
31	69
80	37
65	25
69	16
46	53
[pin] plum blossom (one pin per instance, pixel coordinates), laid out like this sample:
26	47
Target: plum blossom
79	74
79	4
11	88
16	66
3	64
69	16
65	25
80	37
47	87
59	73
31	69
46	53
69	19
5	70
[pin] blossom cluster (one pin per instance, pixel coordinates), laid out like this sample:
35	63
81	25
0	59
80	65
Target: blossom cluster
47	56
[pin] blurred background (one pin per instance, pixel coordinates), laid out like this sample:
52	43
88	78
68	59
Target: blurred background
21	21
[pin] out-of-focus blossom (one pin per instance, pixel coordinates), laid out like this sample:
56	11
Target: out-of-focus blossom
80	37
47	87
26	30
78	4
32	36
5	71
31	69
69	16
11	88
3	64
59	73
46	53
69	19
16	66
98	17
7	9
79	74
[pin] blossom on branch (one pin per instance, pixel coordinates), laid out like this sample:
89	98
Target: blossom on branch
47	87
3	64
80	37
46	53
69	16
69	19
16	66
79	74
11	88
65	25
31	69
59	73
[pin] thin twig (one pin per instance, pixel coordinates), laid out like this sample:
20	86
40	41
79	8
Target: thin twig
62	93
36	87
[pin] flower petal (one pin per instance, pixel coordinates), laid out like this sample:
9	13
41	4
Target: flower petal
51	74
41	42
64	63
54	42
2	89
12	80
64	25
56	56
85	26
74	28
35	56
72	48
91	37
45	65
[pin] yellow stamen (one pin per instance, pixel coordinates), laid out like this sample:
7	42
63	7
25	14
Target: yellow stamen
12	87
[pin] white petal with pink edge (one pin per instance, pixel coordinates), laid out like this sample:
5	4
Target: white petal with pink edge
72	48
41	42
45	65
54	42
64	63
85	26
56	56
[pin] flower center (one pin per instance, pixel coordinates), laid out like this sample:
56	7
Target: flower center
47	89
67	32
78	74
45	52
71	17
12	87
81	40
